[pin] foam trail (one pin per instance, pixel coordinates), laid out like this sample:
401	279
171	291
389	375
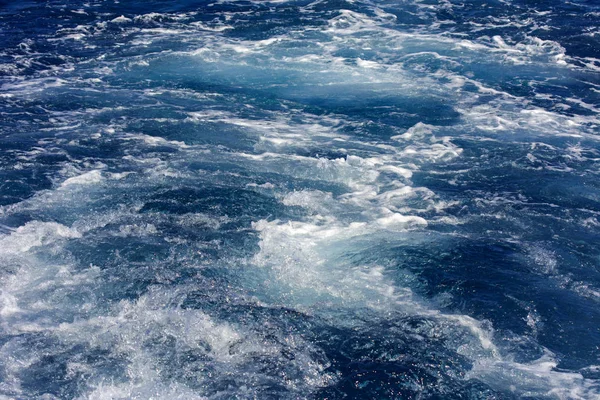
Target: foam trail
284	200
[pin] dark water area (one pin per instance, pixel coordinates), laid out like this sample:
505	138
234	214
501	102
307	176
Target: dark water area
299	200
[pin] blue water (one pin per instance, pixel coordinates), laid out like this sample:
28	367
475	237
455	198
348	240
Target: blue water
324	199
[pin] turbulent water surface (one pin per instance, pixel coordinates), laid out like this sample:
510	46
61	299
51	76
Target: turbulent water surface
300	199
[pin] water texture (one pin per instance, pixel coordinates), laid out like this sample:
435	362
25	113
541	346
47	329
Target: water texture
330	199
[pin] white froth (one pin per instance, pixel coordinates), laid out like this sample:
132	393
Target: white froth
302	257
8	304
398	221
536	379
121	20
225	350
404	172
35	234
88	178
314	200
416	132
157	141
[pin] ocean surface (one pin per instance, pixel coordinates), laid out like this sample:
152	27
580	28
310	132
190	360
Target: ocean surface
330	199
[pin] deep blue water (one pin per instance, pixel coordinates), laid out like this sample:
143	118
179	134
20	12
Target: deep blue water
326	199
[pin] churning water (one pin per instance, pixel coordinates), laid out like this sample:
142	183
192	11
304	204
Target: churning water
330	199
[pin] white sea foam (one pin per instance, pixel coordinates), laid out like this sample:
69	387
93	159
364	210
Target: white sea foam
544	259
87	178
157	141
404	172
302	257
293	251
398	221
535	379
31	297
121	20
221	347
416	132
314	200
35	234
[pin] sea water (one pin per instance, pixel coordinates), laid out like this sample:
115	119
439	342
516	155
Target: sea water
330	199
